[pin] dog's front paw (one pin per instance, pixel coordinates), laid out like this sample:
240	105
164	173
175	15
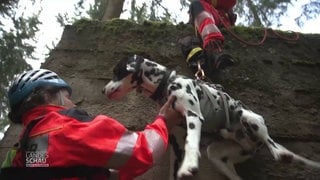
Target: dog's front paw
184	174
190	164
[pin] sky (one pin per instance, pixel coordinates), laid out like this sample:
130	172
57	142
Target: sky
50	31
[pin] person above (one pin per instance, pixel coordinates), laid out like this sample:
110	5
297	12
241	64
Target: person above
207	16
60	140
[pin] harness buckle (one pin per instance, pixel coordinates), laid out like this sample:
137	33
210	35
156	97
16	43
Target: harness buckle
200	73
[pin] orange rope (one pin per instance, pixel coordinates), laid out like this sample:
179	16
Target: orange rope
227	26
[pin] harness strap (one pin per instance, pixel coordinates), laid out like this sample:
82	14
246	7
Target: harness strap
226	108
158	94
23	143
224	103
25	137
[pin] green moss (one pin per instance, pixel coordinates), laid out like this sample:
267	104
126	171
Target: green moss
304	62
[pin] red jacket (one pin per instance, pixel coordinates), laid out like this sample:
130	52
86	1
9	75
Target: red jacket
70	137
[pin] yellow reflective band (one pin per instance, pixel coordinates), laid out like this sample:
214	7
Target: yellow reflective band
9	158
193	52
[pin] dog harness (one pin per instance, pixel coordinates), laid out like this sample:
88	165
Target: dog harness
159	92
216	115
65	139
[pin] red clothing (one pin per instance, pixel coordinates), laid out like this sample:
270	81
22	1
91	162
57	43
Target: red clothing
70	137
208	15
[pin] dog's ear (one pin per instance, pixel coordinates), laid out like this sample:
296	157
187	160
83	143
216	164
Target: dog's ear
134	63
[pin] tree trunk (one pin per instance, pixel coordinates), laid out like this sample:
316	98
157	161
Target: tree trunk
113	9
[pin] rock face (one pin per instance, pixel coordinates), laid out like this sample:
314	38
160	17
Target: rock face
279	79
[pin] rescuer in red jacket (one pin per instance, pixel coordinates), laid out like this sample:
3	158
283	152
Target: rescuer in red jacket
62	142
207	16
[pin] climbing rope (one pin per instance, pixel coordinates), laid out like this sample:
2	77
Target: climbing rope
226	24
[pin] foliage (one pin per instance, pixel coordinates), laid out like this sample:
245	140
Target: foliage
143	13
310	10
266	13
260	13
15	47
97	10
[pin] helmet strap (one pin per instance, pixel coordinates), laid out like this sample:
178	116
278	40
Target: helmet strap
61	98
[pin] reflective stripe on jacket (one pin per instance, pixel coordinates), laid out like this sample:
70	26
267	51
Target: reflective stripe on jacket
65	138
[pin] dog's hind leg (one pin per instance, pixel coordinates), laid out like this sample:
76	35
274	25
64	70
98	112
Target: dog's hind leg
224	154
254	124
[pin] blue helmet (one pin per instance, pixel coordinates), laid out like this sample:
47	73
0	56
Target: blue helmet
25	83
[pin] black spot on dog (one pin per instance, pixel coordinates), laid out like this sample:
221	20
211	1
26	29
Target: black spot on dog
192	125
232	107
151	64
239	134
272	143
224	159
194	83
188	89
239	113
249	132
246	125
191	102
175	86
200	93
254	127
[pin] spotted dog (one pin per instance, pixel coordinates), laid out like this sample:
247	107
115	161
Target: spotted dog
206	108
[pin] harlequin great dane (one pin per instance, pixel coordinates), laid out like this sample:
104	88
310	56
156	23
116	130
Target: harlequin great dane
206	108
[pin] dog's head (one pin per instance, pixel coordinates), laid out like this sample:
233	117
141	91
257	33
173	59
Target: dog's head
126	77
